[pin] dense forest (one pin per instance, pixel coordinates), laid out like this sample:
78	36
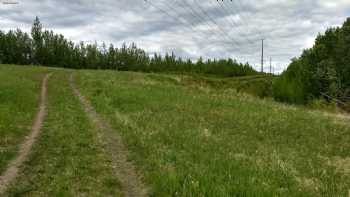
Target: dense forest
44	47
322	72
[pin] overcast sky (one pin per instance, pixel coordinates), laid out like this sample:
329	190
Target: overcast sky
190	28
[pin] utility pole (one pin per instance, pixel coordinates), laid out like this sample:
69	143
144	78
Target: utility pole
262	55
271	65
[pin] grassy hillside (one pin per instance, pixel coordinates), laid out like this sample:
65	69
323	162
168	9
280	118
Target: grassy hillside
201	141
256	85
188	136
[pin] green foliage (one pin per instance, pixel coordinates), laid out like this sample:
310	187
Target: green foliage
291	87
321	104
258	85
38	51
49	49
321	70
15	47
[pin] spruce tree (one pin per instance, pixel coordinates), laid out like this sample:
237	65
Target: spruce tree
37	41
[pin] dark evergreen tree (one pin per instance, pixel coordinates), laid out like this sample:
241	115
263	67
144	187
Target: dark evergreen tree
37	41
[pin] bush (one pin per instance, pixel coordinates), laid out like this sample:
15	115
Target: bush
290	86
323	69
321	104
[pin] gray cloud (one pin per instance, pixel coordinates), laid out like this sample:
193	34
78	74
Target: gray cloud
190	28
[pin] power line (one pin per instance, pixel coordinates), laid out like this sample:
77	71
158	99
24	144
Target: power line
233	22
234	8
168	14
249	16
191	26
237	8
199	16
214	22
242	8
223	35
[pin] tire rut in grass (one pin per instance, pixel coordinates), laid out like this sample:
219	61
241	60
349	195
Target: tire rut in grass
12	171
132	185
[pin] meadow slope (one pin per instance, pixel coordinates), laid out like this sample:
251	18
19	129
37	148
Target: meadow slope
185	137
201	141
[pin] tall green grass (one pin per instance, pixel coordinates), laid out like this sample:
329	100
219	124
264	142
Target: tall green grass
19	93
69	158
256	85
200	141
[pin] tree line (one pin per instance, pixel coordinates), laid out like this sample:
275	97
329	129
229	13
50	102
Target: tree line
44	47
322	71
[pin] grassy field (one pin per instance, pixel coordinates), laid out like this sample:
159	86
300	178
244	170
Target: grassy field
69	159
200	141
188	136
19	88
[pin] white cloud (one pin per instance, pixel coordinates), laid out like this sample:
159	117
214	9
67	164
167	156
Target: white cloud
288	26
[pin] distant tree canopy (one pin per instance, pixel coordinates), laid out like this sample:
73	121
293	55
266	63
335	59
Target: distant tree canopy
49	49
321	70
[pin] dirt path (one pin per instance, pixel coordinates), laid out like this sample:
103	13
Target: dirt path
11	172
131	183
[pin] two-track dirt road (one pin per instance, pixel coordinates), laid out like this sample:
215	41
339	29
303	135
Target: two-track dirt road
124	170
